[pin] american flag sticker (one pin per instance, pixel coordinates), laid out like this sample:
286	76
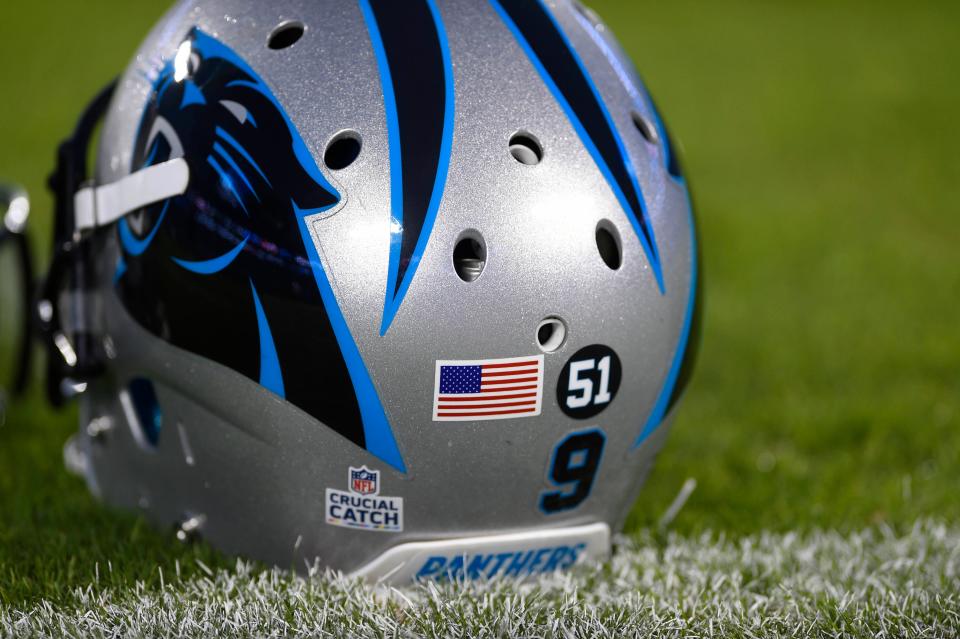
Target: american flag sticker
470	391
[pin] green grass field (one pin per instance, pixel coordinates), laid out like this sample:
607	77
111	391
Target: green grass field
821	141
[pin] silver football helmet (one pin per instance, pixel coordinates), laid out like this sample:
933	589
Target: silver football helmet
406	287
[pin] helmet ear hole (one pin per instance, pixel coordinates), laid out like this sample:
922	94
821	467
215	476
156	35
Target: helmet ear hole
608	244
142	409
286	35
551	334
470	256
525	149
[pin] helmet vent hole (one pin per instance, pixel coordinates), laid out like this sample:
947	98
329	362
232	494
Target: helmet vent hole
608	244
644	126
286	35
470	256
589	14
525	149
343	150
551	334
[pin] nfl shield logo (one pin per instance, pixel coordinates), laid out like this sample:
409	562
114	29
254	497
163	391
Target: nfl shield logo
363	481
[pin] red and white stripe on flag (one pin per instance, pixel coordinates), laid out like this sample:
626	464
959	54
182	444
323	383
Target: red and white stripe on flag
487	389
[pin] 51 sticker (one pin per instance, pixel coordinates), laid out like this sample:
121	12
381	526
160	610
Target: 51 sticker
589	381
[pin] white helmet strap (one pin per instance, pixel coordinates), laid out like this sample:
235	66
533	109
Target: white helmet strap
99	206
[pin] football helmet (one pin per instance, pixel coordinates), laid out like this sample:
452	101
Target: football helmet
408	288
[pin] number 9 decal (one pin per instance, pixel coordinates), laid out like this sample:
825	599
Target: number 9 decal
573	468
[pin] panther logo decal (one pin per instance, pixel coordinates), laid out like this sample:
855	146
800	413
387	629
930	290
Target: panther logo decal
229	270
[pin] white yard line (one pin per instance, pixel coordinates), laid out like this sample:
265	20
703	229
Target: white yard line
868	583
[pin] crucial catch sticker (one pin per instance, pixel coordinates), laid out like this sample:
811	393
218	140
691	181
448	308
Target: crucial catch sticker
487	389
362	506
